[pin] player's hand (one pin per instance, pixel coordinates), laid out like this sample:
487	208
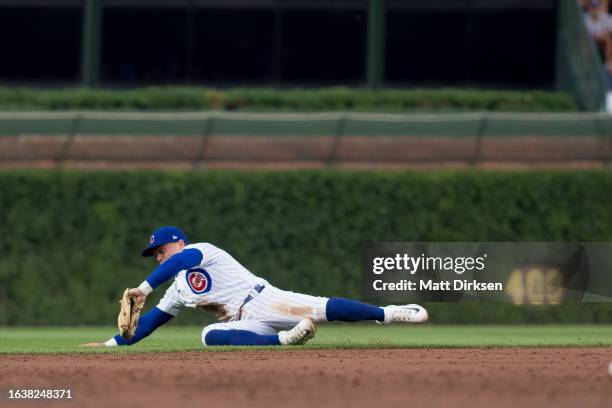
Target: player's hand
92	345
137	294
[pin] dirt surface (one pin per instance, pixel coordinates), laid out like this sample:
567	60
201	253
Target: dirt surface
560	377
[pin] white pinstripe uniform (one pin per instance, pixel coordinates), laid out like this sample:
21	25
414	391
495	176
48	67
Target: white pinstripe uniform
241	300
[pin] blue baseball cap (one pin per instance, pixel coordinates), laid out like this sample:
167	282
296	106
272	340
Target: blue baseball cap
163	236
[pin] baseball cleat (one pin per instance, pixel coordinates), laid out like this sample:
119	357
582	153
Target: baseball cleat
300	334
404	314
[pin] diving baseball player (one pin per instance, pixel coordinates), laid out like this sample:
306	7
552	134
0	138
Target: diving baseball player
251	310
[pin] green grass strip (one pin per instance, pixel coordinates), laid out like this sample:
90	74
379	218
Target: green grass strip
66	340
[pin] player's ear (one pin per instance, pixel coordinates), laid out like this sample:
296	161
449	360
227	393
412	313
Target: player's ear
181	243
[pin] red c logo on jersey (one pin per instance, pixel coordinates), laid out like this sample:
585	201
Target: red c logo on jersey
198	280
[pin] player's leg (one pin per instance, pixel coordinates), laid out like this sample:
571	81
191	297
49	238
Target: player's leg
256	333
348	310
281	309
240	333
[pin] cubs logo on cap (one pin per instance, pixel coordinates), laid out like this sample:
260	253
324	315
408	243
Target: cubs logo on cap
198	280
163	236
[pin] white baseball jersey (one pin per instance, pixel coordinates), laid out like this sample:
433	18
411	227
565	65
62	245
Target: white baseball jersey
223	286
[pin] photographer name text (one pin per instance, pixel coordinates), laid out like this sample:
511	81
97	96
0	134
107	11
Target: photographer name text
431	285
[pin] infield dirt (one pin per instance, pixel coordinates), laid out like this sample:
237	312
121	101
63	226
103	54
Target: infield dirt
561	377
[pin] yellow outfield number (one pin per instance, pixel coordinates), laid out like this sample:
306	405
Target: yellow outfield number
535	285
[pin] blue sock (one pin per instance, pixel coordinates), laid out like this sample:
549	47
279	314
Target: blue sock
347	310
239	338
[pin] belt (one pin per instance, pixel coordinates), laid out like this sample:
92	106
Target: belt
256	288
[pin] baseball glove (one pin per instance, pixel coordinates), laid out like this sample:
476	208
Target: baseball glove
128	315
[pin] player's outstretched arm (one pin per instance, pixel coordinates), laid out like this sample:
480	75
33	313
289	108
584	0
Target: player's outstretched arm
147	324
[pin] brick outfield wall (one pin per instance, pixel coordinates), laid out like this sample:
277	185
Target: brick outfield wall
346	151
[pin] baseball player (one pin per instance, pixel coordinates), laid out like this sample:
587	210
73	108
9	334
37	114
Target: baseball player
251	310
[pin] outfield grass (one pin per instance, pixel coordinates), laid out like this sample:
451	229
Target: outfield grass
332	336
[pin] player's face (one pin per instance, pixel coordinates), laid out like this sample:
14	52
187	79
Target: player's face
163	252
